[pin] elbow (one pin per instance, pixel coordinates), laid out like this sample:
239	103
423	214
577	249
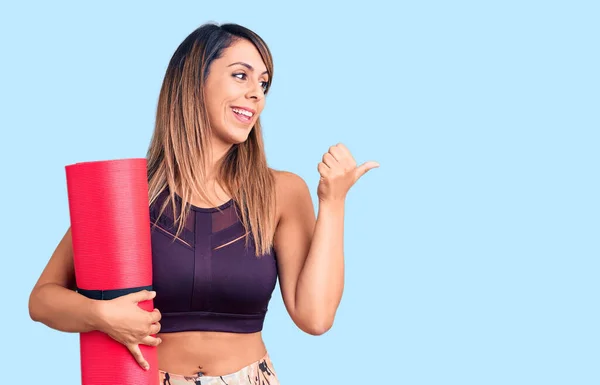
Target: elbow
35	305
317	330
33	313
318	327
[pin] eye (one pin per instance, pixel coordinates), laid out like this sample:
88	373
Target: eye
242	76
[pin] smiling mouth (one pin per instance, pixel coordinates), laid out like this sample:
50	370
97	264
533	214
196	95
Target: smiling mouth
242	114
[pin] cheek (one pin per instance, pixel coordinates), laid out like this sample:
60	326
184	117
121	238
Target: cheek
231	92
214	111
217	93
216	104
261	107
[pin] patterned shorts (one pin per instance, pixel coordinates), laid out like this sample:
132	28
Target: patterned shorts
260	372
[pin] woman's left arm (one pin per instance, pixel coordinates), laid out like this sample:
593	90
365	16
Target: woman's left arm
311	254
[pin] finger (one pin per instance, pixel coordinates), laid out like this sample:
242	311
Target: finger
143	295
151	341
323	169
363	168
155	316
343	156
341	151
337	153
343	148
155	328
137	354
329	160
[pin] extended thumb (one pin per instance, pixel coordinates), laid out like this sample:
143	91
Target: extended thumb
363	168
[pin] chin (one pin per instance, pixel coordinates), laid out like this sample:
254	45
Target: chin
238	137
234	133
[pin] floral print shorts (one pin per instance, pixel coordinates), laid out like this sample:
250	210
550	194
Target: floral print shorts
260	372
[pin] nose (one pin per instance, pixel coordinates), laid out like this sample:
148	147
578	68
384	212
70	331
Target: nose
254	91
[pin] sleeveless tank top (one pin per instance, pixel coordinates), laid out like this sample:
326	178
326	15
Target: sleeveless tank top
206	279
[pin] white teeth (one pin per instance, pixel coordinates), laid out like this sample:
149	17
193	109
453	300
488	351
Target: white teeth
243	112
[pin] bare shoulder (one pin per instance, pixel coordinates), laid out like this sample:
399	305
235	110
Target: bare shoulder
293	198
289	187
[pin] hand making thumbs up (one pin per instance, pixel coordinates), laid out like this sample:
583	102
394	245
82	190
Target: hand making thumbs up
339	172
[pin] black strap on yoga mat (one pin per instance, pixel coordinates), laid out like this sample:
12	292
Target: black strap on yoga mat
111	294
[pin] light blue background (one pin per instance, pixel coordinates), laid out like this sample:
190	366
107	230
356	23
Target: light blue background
472	253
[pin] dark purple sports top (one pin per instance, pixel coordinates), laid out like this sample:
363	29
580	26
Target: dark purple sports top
206	279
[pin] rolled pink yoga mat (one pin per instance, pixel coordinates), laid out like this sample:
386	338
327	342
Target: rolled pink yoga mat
110	226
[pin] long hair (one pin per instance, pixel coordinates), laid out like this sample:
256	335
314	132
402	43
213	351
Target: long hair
181	140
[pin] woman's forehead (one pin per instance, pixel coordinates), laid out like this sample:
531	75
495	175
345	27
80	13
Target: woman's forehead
243	51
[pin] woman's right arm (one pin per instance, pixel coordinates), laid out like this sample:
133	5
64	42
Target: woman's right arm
55	303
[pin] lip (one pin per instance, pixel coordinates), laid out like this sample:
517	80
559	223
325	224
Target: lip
246	109
245	120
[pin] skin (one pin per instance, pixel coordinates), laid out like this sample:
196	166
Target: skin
237	79
309	248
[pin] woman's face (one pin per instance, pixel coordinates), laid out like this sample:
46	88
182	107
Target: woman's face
235	92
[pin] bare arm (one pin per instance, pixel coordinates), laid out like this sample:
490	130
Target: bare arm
311	254
311	260
54	301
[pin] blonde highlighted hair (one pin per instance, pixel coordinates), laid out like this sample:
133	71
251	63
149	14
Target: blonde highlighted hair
180	143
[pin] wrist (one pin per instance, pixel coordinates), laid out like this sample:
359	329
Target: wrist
332	204
96	319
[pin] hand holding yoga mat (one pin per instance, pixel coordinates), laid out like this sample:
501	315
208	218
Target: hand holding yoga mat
110	227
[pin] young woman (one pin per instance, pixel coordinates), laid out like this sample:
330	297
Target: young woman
225	226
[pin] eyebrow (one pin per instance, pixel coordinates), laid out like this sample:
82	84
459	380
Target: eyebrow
247	66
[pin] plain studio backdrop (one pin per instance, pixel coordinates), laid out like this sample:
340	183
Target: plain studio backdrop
471	253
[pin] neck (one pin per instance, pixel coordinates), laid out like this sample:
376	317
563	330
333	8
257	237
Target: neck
218	151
